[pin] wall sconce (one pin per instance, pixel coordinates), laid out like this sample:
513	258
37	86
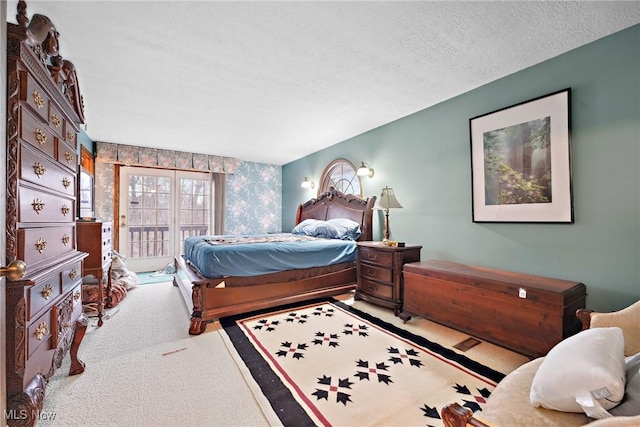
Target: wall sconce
307	184
365	170
387	201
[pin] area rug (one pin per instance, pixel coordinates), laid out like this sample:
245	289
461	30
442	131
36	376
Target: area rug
327	363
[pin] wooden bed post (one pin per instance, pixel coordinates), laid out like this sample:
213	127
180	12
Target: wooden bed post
197	326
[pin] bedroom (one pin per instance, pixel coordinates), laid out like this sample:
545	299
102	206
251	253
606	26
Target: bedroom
424	157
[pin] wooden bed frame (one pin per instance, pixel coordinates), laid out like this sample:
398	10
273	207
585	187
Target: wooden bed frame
209	299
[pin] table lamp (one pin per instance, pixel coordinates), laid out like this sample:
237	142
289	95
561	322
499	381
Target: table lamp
387	201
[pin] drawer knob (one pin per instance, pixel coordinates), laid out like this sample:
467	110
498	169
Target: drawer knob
41	244
76	296
65	182
56	120
68	156
38	205
72	274
37	99
39	169
41	331
372	256
47	291
41	137
65	210
14	271
71	136
65	240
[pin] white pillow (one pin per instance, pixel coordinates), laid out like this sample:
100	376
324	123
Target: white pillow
587	366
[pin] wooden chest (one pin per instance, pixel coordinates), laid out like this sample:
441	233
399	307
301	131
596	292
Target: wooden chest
525	313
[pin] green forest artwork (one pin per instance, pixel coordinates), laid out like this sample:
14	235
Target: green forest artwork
517	163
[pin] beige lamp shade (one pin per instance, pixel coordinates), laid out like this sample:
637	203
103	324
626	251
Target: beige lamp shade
387	201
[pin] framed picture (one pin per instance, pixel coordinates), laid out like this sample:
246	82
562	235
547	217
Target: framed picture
521	162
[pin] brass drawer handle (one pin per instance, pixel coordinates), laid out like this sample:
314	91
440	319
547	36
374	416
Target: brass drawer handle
41	244
72	274
38	205
371	272
47	291
39	169
55	120
37	99
41	137
76	296
65	182
68	156
372	256
41	331
71	136
65	210
65	240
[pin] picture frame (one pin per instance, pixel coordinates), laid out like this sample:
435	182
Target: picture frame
521	162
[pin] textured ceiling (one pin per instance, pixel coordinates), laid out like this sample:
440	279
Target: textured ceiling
271	82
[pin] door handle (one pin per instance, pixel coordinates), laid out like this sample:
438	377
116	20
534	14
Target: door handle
14	271
123	221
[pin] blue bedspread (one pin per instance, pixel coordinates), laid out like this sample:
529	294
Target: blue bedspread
219	256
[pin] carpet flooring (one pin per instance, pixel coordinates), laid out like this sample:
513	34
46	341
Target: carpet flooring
143	369
327	363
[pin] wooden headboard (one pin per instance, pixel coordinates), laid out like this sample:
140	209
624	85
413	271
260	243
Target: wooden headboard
335	204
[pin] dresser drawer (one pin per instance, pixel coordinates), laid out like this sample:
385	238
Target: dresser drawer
38	169
376	256
39	332
37	206
32	93
42	294
37	133
376	273
376	289
70	275
43	245
67	156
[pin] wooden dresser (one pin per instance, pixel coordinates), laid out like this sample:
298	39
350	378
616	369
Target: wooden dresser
94	237
380	273
44	308
525	313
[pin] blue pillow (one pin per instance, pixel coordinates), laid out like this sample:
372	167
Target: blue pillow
307	227
342	228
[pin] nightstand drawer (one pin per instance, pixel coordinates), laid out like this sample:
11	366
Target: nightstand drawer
375	256
376	289
377	273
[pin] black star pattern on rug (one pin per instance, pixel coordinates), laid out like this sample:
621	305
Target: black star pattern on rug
410	355
341	396
267	325
474	405
323	311
364	371
297	318
295	352
360	330
330	339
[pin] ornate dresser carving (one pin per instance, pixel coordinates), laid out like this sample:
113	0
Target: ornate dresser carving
44	308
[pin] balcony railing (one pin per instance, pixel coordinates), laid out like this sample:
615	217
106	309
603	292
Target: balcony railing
149	241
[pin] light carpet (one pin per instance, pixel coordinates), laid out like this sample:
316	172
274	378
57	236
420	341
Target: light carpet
144	370
327	363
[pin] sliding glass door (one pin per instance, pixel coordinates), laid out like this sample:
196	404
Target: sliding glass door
158	210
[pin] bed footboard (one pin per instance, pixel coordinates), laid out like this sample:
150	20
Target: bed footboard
210	299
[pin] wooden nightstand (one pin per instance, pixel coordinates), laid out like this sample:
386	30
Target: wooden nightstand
380	273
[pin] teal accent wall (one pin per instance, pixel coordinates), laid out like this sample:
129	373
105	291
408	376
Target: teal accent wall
425	158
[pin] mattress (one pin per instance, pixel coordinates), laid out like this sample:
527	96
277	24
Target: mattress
254	255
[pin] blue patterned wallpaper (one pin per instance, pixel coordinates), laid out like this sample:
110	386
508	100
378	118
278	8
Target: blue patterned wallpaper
254	199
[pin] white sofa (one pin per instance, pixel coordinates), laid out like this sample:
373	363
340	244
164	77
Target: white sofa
510	406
